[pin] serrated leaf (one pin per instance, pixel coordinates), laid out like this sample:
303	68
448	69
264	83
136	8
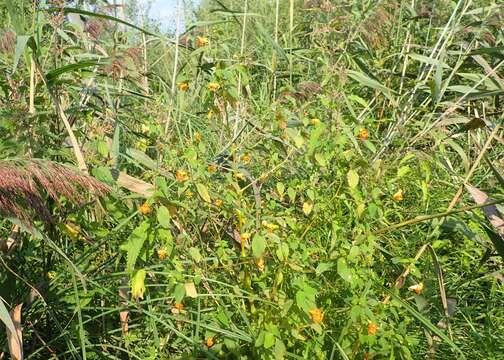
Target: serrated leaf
258	246
163	217
353	179
203	192
134	245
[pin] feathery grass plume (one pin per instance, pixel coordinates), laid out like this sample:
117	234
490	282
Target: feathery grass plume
23	184
7	42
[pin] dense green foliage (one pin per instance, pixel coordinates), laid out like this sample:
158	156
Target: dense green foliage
287	179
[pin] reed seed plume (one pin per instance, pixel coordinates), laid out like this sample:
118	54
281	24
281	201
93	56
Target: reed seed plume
24	185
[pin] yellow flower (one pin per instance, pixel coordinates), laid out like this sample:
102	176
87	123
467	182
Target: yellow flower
162	253
363	134
145	129
183	86
372	329
181	175
307	208
197	136
260	264
218	202
244	237
210	342
189	194
212	168
210	114
245	158
239	176
201	41
315	121
418	288
398	196
270	226
317	315
145	209
213	87
51	274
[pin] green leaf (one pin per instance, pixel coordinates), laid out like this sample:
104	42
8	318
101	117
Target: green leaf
6	318
269	340
280	188
69	10
353	179
179	293
21	41
279	349
142	158
203	192
322	267
344	271
366	81
258	246
163	217
134	245
292	194
195	254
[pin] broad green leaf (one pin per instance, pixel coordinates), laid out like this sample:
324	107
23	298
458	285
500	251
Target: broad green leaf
142	158
179	293
279	349
280	188
6	318
163	217
138	284
21	41
322	267
203	192
195	254
428	60
353	179
269	340
344	271
258	246
367	81
134	245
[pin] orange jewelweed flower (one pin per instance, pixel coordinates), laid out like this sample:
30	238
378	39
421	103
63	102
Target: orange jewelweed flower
213	86
210	342
282	125
218	202
372	329
418	288
145	209
212	168
162	253
179	306
317	315
183	86
181	175
363	134
201	41
398	196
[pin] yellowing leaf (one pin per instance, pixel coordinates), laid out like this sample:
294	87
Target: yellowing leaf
138	284
190	290
353	179
307	208
203	192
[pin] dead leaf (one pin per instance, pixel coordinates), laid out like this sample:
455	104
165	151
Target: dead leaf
491	212
15	341
135	185
124	314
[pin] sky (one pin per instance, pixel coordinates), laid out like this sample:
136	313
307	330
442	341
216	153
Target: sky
165	11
